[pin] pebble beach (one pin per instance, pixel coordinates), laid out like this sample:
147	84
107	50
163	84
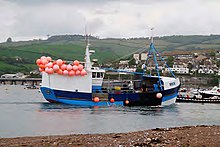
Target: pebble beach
179	136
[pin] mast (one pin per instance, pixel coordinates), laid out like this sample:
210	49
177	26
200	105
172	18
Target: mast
88	64
155	52
152	35
155	58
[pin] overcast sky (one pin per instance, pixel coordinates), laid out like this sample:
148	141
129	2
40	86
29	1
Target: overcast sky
29	19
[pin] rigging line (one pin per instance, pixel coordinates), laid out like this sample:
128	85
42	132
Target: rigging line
139	50
146	61
155	60
165	63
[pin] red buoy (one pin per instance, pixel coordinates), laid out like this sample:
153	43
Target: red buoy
112	100
159	95
96	99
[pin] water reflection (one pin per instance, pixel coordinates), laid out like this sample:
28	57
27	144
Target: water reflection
140	110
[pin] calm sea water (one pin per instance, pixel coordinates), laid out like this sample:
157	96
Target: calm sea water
24	112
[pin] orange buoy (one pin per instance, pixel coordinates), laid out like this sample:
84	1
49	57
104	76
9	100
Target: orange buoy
59	62
44	61
49	65
71	73
46	69
83	72
41	69
56	67
96	99
78	73
60	71
112	100
65	72
127	102
38	61
50	71
48	59
63	67
69	67
42	66
76	62
54	62
159	95
43	57
80	67
75	68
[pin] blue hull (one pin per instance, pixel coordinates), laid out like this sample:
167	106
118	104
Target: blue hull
86	99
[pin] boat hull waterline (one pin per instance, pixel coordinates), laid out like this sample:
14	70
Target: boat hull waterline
133	99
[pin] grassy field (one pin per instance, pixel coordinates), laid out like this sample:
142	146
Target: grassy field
21	56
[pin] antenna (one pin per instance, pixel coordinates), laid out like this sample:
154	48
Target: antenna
86	36
152	34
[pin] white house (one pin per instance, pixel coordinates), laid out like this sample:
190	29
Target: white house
201	71
206	71
180	69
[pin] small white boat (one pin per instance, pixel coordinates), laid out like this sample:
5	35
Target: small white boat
215	91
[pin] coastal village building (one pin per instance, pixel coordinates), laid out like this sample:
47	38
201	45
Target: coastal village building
179	67
206	71
187	56
183	64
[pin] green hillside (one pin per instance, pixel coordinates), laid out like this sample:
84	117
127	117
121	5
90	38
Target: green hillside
21	56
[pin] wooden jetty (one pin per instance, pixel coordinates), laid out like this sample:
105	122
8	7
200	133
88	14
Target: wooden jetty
20	81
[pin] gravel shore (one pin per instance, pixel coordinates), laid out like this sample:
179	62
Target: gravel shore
180	136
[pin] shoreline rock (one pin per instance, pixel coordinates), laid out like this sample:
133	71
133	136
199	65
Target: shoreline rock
201	135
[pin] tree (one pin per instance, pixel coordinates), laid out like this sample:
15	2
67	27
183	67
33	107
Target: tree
9	40
190	66
212	54
170	61
218	63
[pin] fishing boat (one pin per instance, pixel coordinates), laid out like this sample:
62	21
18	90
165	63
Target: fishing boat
82	85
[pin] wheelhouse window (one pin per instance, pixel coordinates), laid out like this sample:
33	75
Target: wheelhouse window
172	84
94	75
102	75
98	75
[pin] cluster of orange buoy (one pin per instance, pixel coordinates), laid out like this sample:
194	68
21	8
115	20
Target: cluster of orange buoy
112	100
60	67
